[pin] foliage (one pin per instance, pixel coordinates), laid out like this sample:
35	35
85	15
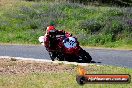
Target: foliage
94	2
25	21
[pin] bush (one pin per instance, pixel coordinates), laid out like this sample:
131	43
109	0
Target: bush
90	26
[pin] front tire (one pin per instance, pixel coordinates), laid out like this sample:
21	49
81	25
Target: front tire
56	56
52	55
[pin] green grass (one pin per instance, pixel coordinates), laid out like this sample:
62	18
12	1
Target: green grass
62	79
23	22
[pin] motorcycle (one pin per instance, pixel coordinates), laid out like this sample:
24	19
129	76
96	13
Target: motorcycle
64	47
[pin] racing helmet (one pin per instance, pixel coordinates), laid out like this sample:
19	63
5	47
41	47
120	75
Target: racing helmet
51	29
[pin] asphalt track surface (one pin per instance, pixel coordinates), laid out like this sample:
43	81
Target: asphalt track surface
122	58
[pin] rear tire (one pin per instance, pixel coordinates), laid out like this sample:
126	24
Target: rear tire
86	58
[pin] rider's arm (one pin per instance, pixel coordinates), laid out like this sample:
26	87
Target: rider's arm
46	31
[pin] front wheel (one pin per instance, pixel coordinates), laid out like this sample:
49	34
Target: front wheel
56	56
52	55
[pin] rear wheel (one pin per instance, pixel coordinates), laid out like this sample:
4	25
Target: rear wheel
85	57
88	57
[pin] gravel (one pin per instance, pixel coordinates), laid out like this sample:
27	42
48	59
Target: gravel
15	66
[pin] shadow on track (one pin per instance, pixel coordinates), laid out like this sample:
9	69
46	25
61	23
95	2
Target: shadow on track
83	62
94	62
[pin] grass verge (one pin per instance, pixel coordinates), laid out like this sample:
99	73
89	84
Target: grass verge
32	74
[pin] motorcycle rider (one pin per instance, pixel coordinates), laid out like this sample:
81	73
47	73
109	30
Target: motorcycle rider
51	33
